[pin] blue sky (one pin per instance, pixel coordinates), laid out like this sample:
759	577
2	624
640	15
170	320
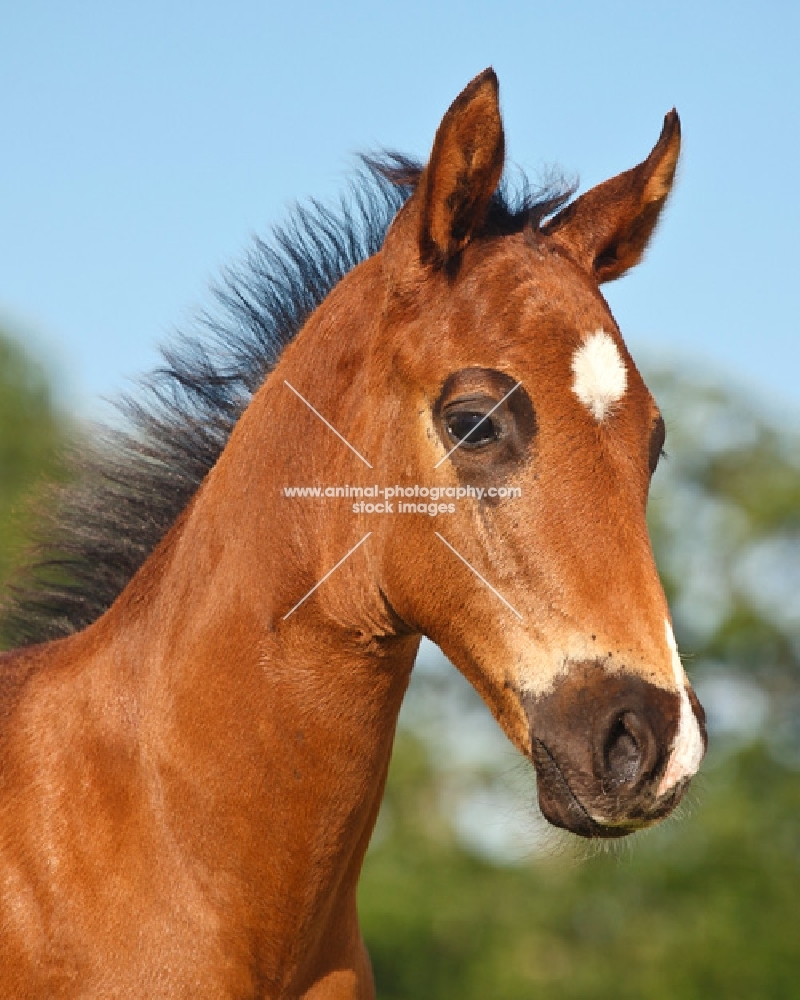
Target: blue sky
144	144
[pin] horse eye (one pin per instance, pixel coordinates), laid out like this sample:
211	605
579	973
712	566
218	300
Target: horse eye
657	439
471	428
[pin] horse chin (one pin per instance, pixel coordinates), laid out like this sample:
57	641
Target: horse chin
560	806
563	808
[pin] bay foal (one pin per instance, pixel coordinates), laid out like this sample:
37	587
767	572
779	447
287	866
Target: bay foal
189	777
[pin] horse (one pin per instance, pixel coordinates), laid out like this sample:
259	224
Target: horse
199	711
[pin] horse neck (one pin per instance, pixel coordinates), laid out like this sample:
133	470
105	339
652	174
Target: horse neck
279	728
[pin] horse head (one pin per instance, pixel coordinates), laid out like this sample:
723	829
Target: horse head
501	375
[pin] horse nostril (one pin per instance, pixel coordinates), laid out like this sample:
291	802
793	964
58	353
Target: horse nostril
625	749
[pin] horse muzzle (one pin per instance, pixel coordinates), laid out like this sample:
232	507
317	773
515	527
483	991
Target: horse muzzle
606	748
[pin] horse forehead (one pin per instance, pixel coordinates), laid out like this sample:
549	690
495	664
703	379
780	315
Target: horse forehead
517	306
524	286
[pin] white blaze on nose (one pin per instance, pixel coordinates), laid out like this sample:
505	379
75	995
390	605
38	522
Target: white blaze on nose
688	749
600	376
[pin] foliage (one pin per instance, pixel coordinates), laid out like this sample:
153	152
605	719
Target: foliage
705	906
456	902
30	436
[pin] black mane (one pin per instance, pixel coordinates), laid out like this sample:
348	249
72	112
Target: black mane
130	487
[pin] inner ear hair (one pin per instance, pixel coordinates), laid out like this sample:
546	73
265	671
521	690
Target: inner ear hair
464	170
607	229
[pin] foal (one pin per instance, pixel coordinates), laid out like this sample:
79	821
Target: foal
189	777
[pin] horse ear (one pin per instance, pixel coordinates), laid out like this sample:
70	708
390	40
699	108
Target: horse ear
607	229
463	172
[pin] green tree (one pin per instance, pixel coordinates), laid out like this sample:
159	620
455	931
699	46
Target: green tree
30	438
466	894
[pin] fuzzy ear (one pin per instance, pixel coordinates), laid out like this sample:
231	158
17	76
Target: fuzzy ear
463	172
607	229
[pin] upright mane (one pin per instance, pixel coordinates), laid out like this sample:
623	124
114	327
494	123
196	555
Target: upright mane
128	488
